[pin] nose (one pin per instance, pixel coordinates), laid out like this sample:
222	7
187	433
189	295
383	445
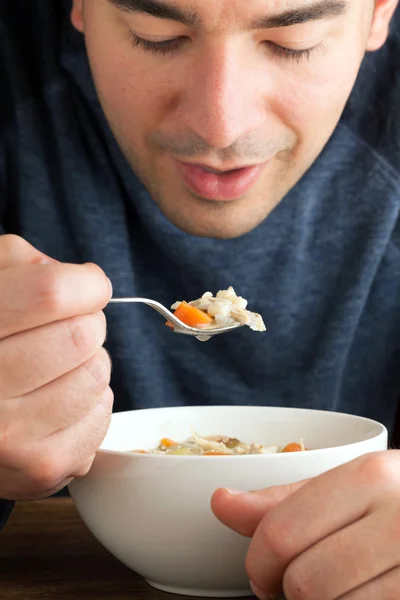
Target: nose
223	98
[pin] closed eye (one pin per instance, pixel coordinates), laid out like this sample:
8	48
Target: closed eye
163	47
291	53
174	45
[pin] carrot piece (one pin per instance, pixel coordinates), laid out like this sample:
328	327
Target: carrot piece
167	443
292	448
190	315
212	453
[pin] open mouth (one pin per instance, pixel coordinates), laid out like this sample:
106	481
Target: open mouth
218	171
215	184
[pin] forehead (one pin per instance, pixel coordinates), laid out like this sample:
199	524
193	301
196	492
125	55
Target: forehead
220	14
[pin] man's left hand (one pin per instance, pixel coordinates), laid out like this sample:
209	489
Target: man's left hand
335	537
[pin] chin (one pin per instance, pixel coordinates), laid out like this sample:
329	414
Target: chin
213	224
214	232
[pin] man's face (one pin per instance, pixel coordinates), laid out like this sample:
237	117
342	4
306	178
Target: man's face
220	106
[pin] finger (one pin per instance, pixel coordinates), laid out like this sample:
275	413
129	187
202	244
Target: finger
32	359
38	493
243	512
323	506
57	405
15	486
385	587
35	295
14	250
345	560
78	442
83	469
49	465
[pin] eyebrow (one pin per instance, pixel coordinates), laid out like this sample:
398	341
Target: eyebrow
158	9
324	9
317	11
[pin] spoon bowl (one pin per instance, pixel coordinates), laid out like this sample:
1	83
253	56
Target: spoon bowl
203	334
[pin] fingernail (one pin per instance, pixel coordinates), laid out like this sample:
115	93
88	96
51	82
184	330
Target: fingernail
262	595
233	492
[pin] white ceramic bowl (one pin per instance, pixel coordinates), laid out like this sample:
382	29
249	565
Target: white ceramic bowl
153	512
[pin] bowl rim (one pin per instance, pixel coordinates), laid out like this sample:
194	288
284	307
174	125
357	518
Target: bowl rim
381	431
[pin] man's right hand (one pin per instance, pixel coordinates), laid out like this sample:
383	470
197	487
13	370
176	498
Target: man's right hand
55	399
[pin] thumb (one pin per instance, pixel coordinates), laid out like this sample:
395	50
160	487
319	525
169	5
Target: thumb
243	511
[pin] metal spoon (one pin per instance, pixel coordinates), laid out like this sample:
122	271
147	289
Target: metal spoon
179	327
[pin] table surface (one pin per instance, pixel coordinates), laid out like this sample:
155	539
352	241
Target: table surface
47	552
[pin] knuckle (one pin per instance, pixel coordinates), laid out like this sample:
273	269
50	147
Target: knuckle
84	468
108	400
50	292
87	333
101	418
10	244
95	268
378	468
296	585
277	537
45	472
104	410
99	369
96	424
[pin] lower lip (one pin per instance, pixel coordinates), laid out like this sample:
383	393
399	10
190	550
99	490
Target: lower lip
231	185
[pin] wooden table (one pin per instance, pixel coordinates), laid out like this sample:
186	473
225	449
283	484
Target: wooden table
47	552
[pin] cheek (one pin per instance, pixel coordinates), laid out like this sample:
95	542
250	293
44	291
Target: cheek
133	93
310	101
125	87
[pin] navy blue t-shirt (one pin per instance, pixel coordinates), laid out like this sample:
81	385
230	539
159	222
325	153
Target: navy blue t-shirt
323	269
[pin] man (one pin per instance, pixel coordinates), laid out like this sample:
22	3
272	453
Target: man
188	145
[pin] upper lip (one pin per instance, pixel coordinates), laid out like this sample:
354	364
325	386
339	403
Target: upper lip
220	169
